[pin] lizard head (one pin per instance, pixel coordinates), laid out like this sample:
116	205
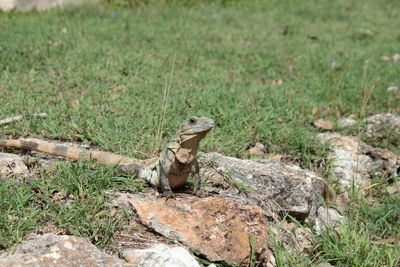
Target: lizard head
191	132
195	126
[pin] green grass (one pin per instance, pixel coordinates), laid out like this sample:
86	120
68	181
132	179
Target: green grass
69	198
100	73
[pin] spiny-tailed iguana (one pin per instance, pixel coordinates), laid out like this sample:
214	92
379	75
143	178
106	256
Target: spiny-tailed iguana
169	170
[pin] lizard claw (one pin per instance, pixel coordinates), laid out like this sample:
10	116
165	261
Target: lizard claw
168	194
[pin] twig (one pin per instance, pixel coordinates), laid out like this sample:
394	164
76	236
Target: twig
22	117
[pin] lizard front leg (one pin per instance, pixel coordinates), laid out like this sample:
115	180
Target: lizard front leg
162	171
196	178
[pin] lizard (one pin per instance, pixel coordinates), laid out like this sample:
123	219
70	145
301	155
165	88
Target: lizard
169	171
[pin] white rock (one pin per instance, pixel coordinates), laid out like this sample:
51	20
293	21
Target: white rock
160	256
349	164
58	250
327	218
345	122
393	89
12	164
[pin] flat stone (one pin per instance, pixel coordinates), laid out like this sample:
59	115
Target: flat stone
257	149
11	164
213	227
160	255
275	186
354	160
346	122
52	250
379	124
25	5
328	218
323	124
296	239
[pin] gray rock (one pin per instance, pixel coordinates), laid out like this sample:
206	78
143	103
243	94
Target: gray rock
52	250
393	89
295	239
275	186
328	218
346	122
353	160
379	124
11	164
25	5
325	264
160	256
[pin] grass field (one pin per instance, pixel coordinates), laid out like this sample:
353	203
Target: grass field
264	71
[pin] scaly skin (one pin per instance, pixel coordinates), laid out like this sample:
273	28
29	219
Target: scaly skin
170	170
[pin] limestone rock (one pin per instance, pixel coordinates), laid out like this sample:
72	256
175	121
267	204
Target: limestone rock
346	122
214	227
25	5
11	164
379	123
396	57
257	149
160	256
328	218
294	238
275	186
353	159
59	250
324	264
393	89
323	124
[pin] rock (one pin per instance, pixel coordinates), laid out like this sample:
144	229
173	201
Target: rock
324	264
294	238
277	82
59	250
396	57
275	186
257	149
160	255
25	5
353	159
393	189
393	89
328	218
214	227
11	164
323	124
379	124
346	122
7	5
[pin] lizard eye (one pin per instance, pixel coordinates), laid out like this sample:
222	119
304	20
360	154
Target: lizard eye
192	120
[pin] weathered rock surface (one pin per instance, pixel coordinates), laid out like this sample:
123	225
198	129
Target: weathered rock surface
25	5
328	218
160	256
294	238
346	122
353	159
214	227
257	149
275	186
59	250
323	124
378	124
11	164
393	89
